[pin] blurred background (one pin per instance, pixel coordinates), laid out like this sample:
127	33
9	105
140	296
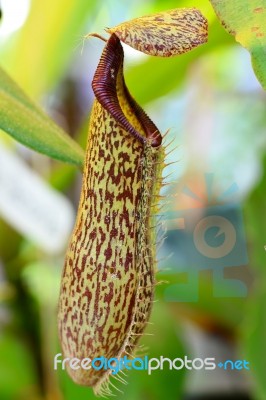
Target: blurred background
213	305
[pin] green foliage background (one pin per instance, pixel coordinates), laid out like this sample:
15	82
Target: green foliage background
45	59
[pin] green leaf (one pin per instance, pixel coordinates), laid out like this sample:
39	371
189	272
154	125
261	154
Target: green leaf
51	37
17	373
245	19
28	124
254	212
254	327
254	341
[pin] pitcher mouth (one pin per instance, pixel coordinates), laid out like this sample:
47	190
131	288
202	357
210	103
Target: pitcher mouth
108	75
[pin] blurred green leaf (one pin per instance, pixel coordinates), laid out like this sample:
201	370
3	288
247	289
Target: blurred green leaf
62	177
254	327
9	247
52	33
245	19
256	223
43	282
254	341
25	122
17	376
